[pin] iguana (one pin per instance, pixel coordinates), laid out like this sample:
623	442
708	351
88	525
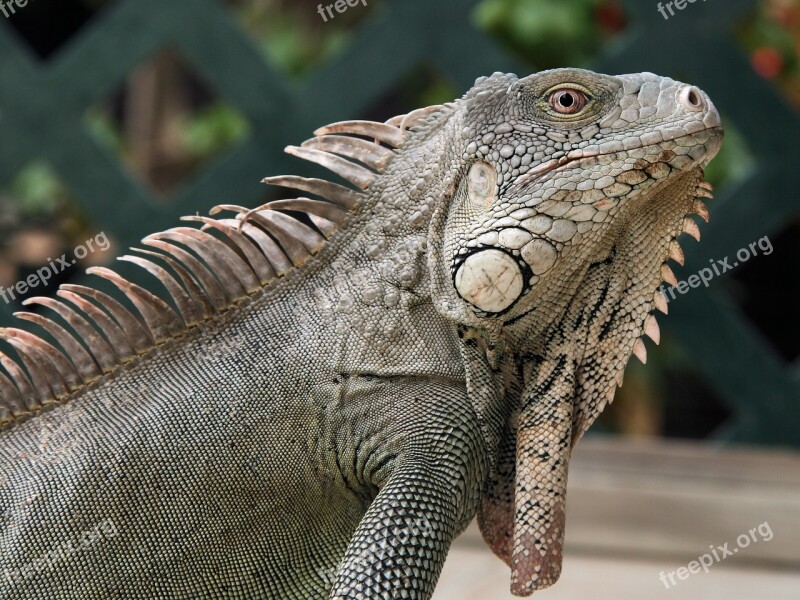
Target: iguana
337	383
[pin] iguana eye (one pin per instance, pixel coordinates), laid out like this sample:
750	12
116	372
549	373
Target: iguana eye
567	101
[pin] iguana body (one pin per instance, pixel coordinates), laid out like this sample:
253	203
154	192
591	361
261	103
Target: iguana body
313	418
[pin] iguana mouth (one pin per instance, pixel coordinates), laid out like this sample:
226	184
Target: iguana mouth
558	164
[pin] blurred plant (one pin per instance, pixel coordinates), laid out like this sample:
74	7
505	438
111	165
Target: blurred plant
734	163
37	198
292	35
552	33
105	129
438	91
38	191
217	126
772	37
165	122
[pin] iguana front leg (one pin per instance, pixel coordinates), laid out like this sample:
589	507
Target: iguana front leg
401	544
430	496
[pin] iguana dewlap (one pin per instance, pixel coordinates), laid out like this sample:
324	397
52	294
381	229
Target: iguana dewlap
338	383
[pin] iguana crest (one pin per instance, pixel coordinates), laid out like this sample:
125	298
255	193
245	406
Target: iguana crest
206	269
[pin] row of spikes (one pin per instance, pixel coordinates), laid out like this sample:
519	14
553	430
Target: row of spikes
650	327
203	274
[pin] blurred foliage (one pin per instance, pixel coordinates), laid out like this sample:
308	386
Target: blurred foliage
40	198
420	86
292	35
39	219
772	37
734	163
165	122
211	129
105	130
552	33
438	92
202	134
39	191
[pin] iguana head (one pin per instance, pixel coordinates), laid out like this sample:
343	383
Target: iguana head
551	162
560	171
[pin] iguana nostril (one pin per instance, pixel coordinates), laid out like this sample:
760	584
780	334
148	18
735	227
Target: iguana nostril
490	280
691	98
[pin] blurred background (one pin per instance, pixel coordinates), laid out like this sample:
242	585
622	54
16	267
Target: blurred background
119	116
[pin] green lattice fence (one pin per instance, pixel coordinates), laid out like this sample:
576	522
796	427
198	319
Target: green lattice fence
43	103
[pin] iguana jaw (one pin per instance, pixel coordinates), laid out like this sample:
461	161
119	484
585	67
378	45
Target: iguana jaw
562	164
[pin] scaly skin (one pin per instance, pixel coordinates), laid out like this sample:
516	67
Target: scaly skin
329	434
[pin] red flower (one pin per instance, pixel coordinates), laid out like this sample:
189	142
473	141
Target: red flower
767	62
610	17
